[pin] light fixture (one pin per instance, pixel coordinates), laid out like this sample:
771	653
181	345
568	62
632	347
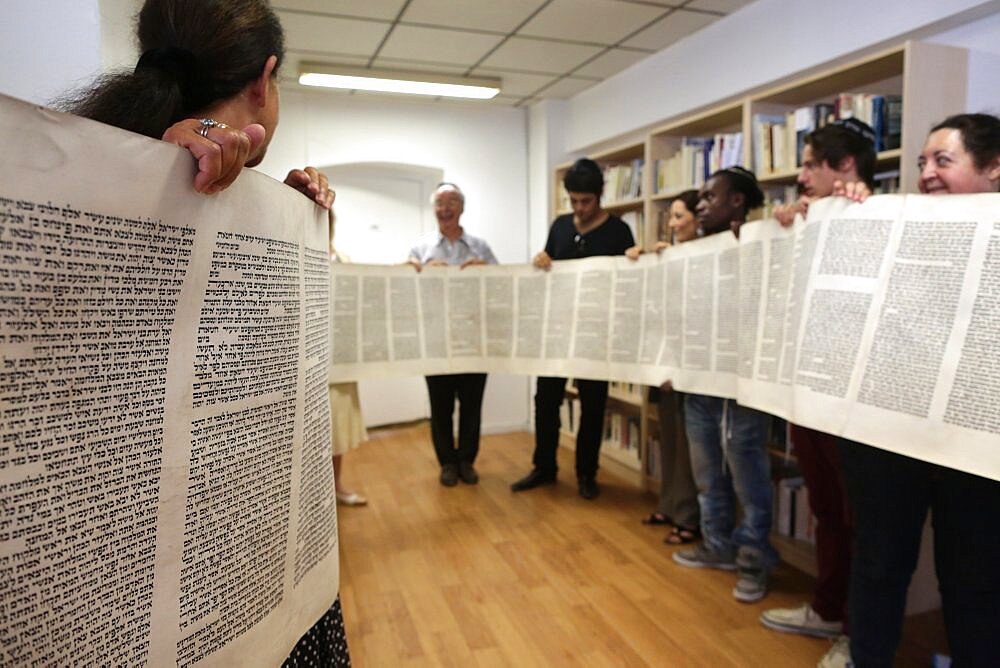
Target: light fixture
397	81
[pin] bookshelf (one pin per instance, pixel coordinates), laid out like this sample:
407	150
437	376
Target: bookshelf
930	80
672	155
624	427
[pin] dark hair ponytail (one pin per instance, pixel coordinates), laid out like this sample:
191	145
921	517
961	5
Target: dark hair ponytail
194	53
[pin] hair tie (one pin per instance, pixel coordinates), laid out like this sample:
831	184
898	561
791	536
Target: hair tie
180	62
183	66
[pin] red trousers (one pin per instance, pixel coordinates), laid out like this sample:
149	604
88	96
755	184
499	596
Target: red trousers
817	456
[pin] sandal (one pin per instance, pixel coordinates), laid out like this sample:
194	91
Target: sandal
682	536
351	499
657	518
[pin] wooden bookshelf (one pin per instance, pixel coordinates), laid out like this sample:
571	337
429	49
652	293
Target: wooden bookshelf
931	79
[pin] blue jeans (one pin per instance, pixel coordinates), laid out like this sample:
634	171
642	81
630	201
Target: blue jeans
741	470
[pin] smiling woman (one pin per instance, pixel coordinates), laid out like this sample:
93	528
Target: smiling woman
961	155
891	494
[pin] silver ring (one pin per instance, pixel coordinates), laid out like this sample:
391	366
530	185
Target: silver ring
206	125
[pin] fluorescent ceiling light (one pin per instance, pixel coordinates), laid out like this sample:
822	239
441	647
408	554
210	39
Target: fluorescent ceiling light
397	81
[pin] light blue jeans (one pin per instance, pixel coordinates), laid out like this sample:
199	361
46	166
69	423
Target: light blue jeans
729	460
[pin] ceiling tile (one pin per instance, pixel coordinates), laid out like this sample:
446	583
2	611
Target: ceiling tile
674	27
567	87
438	45
727	6
419	65
539	56
347	36
501	16
372	9
290	68
516	83
598	21
612	62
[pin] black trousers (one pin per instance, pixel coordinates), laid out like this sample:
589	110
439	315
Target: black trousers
890	495
443	390
549	394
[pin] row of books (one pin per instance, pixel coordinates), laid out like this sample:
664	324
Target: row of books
696	160
886	183
623	182
621	431
630	390
636	221
778	138
792	517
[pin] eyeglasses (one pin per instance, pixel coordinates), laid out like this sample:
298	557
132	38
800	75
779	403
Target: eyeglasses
581	243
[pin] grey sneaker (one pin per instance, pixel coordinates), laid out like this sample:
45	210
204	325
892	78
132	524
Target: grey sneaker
803	620
703	557
839	656
751	585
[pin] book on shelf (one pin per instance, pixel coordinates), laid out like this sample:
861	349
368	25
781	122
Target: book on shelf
696	160
663	232
636	222
564	203
621	432
623	182
569	415
792	515
654	468
778	142
632	390
761	128
887	182
776	196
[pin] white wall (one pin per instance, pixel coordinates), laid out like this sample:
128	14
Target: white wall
482	148
547	141
982	38
763	42
118	42
48	47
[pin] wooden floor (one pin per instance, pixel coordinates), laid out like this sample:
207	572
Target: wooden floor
477	575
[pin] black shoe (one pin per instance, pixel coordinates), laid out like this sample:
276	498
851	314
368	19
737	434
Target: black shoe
467	473
449	475
534	479
588	488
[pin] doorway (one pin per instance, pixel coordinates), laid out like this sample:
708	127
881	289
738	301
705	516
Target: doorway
381	210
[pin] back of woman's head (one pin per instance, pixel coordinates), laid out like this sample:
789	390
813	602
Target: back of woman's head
194	53
980	135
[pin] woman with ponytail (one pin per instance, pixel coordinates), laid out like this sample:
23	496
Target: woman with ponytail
207	81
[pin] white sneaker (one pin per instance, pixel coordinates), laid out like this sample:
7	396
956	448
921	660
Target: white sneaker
803	620
839	655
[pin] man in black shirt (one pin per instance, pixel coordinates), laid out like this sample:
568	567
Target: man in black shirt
587	232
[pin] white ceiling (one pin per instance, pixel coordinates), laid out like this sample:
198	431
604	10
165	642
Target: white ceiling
538	48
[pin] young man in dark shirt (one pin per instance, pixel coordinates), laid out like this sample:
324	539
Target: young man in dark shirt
587	232
840	153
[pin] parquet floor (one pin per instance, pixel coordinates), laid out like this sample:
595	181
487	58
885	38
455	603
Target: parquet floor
478	576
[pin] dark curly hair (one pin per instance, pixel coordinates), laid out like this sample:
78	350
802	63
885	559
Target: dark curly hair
980	135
